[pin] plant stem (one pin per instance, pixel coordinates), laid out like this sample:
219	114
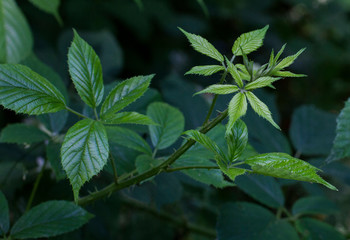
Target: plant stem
180	222
115	174
154	171
96	115
190	167
35	187
75	112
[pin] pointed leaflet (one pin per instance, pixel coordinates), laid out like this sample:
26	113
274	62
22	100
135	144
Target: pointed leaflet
49	6
202	45
25	91
260	82
282	165
50	219
22	133
236	109
232	173
4	215
16	39
220	89
286	62
84	152
231	68
206	70
128	118
287	74
237	140
260	108
249	41
125	93
86	71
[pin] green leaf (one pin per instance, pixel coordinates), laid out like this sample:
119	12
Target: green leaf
206	70
25	91
263	189
312	229
341	144
314	205
280	52
231	68
260	108
249	42
16	40
128	138
50	219
261	82
124	94
128	118
243	72
287	74
86	71
282	165
236	109
49	6
53	155
248	221
312	131
4	215
21	133
286	62
219	89
170	124
237	140
202	45
231	172
84	152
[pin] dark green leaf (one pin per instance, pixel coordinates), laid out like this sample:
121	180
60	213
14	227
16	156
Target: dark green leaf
25	91
206	70
16	41
237	140
49	6
84	152
4	215
145	162
314	205
313	229
170	124
50	219
86	71
128	118
22	133
53	154
236	109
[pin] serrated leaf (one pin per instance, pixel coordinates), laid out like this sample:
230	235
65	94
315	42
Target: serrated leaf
206	142
287	74
4	215
49	6
50	219
86	71
282	165
206	70
128	118
124	94
84	152
314	205
232	173
261	82
313	229
236	109
16	40
202	45
128	138
280	52
219	89
231	68
243	72
249	42
260	108
272	59
286	62
25	91
170	124
21	133
237	140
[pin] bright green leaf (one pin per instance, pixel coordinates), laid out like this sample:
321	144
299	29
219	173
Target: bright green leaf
280	52
260	108
170	124
286	62
206	70
128	118
236	108
202	45
243	72
4	215
86	71
314	205
124	94
313	229
231	68
237	140
21	133
232	173
50	219
287	74
260	82
25	91
282	165
220	89
49	6
16	41
249	42
84	152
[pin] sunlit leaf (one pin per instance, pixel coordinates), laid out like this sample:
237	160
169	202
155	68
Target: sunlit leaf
286	62
236	108
231	68
220	89
206	70
260	82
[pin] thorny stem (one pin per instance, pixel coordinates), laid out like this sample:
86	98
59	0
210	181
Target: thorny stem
35	187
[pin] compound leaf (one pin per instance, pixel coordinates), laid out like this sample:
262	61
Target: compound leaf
206	70
84	152
50	219
128	118
21	133
86	71
4	215
219	89
25	91
236	108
